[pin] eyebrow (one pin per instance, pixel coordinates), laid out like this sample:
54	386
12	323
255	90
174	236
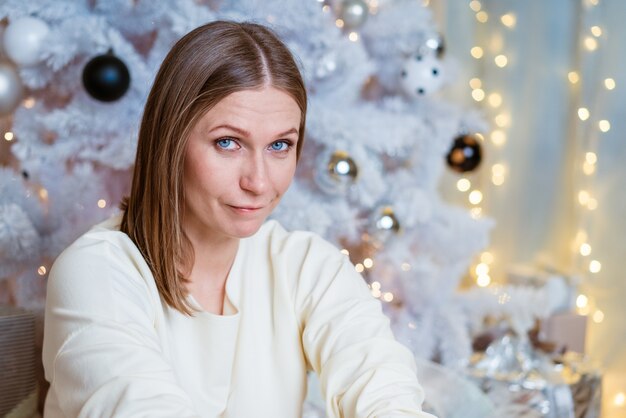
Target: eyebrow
243	132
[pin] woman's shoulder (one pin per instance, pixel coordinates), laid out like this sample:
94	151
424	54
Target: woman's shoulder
101	240
98	258
297	245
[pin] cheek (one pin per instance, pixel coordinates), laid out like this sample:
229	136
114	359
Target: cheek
284	177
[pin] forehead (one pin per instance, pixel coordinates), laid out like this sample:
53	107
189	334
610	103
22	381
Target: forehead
267	105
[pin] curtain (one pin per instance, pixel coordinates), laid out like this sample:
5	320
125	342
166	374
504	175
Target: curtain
557	123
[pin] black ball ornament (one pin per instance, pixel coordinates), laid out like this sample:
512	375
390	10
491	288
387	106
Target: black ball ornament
106	77
465	154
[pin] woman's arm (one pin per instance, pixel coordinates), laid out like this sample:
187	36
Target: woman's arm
363	370
101	352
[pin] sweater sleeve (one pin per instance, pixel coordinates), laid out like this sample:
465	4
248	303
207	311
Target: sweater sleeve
347	339
101	350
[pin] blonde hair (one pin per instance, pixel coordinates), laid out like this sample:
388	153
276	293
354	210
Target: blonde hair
202	68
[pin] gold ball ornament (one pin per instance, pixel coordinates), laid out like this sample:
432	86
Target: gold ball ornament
386	220
384	225
340	172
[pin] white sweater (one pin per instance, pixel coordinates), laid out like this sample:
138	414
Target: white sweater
114	348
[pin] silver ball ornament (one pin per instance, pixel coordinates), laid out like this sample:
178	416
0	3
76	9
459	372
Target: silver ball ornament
339	173
11	89
23	39
353	13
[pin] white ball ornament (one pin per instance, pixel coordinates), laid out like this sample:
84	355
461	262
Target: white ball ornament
11	89
421	75
23	39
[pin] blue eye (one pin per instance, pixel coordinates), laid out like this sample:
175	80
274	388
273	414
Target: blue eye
280	146
225	143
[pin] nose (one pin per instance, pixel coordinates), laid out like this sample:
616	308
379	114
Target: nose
254	178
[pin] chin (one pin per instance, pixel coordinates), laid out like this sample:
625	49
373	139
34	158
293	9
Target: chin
246	229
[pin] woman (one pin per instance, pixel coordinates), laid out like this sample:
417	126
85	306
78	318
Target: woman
190	304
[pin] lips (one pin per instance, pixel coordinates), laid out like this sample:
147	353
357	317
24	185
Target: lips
246	208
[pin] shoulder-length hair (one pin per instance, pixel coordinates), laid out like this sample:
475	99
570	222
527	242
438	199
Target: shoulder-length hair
202	68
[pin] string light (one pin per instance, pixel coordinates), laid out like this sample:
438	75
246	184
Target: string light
596	31
583	197
609	83
476	213
497	174
486	257
598	316
502	120
590	43
405	267
595	266
475	83
604	125
482	16
368	263
8	136
498	137
573	77
477	52
583	113
41	270
588	168
353	36
509	20
475	5
359	268
585	249
376	289
620	399
482	269
475	197
478	95
591	157
29	102
388	297
43	194
495	99
501	60
463	185
483	280
581	301
102	203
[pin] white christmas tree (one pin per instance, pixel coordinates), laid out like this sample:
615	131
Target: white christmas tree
376	144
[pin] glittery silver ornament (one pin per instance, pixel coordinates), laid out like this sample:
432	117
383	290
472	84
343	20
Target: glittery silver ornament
339	173
11	90
353	13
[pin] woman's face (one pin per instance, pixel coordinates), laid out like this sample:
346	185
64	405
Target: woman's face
239	161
